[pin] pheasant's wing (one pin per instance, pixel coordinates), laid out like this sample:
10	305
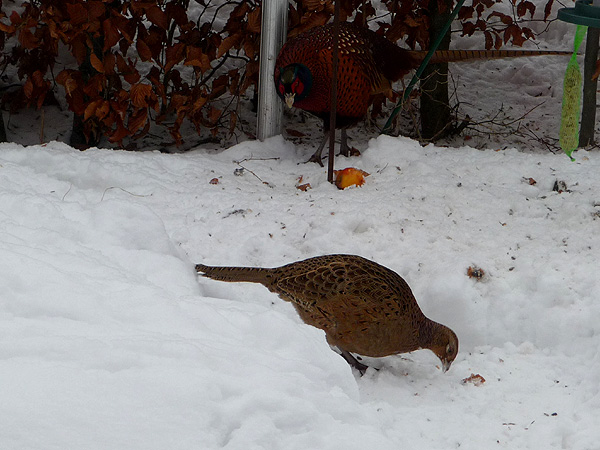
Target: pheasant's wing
343	289
356	62
369	58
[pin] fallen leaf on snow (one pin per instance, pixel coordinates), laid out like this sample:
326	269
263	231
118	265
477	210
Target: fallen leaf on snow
302	186
475	272
476	380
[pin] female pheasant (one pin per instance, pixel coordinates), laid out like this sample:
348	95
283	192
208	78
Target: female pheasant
368	64
363	307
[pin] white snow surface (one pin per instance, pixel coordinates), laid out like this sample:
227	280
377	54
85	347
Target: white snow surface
109	340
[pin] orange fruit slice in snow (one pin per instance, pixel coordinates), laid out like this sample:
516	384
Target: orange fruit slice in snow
349	177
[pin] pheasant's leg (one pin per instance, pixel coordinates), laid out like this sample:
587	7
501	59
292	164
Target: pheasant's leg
354	362
316	157
344	149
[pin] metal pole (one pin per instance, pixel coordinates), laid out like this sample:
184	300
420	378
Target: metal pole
333	99
588	113
272	37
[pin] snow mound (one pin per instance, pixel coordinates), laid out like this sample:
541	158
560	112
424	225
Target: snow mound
108	339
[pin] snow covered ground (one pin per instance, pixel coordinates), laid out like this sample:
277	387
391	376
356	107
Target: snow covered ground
109	340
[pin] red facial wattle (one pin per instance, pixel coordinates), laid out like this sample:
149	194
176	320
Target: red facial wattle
297	86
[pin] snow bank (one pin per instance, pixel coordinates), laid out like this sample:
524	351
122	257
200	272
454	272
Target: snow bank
109	340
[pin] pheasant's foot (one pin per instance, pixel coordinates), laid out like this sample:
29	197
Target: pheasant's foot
316	158
362	368
350	151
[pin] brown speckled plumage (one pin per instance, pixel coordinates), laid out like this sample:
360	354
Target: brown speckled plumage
363	307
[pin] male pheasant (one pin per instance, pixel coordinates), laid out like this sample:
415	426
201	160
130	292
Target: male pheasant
363	307
368	64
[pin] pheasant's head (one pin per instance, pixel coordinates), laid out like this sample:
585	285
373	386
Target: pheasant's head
444	345
293	83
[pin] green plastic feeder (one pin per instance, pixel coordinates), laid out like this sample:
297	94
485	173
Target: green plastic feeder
587	18
584	13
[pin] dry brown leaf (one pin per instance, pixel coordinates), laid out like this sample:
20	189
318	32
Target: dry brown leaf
27	39
139	93
119	134
214	114
77	13
143	50
175	54
254	20
103	109
157	17
475	272
476	380
111	34
138	120
96	63
70	85
229	42
9	29
109	63
28	88
90	109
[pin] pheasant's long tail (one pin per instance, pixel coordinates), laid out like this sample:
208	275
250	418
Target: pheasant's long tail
441	56
236	274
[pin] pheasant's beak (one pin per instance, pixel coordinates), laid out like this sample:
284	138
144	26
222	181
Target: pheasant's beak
445	365
289	99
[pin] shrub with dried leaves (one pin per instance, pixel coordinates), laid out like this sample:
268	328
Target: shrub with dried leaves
143	62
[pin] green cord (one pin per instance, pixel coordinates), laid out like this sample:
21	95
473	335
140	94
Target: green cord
415	78
571	105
